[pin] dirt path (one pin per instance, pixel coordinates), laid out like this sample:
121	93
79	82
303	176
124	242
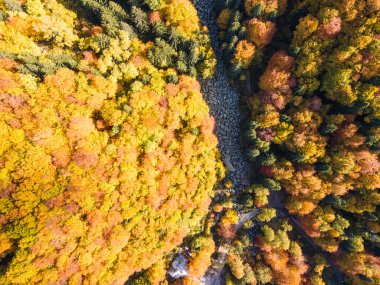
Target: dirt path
297	227
214	275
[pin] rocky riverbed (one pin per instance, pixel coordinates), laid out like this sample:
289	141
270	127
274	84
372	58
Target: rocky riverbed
223	101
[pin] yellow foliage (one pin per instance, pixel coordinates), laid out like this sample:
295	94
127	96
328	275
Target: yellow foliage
245	51
283	130
101	174
181	14
223	18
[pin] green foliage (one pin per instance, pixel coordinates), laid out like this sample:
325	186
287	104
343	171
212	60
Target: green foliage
160	29
235	70
172	78
193	71
162	54
3	16
263	273
135	16
315	143
118	10
107	14
266	214
250	134
354	244
252	154
272	184
257	10
266	159
153	4
140	19
174	38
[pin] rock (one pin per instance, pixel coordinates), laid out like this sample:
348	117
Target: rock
223	101
228	164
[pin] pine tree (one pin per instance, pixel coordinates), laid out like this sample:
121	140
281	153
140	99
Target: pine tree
193	71
140	19
146	78
118	10
193	54
161	54
235	70
257	10
172	78
160	29
174	37
250	134
103	41
327	128
252	154
266	159
271	184
181	67
110	22
128	28
153	4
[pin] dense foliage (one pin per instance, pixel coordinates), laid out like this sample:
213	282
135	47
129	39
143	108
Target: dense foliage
313	137
107	151
246	28
108	158
180	41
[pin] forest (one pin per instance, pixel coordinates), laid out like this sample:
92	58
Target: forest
108	157
309	73
111	169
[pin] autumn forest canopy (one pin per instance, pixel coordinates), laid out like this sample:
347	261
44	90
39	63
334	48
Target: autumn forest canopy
110	171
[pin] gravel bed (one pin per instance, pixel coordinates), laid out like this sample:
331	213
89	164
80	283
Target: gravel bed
223	101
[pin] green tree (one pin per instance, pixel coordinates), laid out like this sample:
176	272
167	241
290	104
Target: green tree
140	19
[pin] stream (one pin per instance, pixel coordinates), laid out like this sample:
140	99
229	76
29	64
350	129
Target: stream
223	100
